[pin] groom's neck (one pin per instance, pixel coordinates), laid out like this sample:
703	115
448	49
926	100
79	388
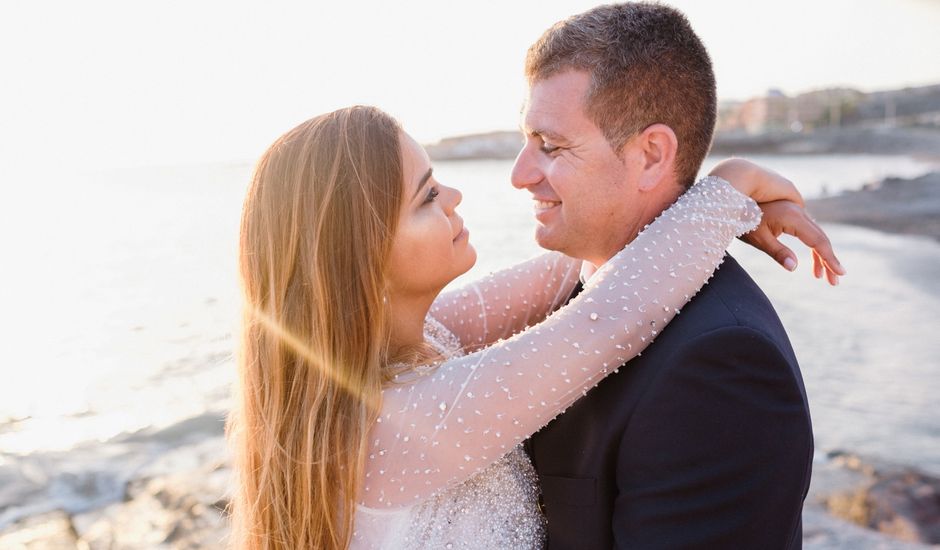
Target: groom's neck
593	261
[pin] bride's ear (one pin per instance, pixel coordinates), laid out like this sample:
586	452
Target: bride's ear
657	146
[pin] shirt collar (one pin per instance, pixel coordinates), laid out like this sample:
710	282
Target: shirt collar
587	271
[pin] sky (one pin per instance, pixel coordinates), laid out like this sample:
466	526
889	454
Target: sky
98	84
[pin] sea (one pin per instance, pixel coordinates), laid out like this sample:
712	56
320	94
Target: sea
120	308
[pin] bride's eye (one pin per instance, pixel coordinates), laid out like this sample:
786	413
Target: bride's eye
432	194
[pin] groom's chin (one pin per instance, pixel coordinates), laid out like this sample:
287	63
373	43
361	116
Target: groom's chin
546	239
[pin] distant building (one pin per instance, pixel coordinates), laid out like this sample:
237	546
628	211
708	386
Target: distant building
757	115
831	108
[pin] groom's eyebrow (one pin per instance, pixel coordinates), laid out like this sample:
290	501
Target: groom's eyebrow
424	179
554	137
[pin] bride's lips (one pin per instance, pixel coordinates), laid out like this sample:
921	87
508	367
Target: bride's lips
463	233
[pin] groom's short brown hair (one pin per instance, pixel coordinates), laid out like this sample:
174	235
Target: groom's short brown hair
647	66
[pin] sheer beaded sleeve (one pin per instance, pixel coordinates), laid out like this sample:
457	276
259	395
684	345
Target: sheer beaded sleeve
507	301
439	429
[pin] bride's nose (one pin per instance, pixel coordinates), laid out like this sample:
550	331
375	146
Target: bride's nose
454	197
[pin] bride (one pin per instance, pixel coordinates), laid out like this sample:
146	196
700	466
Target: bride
375	412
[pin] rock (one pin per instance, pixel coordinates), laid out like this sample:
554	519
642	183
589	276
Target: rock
178	503
894	500
907	505
140	523
905	206
177	512
145	527
196	459
50	531
822	531
492	145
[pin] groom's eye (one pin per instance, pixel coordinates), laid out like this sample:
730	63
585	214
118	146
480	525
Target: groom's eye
548	148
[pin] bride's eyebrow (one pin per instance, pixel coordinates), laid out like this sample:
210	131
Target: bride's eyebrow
424	179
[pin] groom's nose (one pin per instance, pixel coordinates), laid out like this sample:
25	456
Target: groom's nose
526	171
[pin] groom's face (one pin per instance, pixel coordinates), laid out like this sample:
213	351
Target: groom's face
582	189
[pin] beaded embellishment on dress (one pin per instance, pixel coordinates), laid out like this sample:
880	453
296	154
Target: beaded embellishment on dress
446	441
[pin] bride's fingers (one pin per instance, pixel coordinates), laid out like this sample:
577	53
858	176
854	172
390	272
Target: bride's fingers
832	276
764	240
824	270
792	219
805	229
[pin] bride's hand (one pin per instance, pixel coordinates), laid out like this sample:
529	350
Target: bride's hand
783	212
759	183
790	218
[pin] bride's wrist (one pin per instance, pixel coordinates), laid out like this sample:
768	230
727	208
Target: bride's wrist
739	173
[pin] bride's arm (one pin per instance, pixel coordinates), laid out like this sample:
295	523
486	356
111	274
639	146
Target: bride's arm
472	410
507	301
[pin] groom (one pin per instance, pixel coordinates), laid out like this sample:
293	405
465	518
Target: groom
705	440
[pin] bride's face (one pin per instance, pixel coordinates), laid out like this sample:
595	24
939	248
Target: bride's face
431	246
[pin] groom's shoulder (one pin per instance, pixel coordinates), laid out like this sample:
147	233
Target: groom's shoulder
730	299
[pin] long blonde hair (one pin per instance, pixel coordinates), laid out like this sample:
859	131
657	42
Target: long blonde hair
316	232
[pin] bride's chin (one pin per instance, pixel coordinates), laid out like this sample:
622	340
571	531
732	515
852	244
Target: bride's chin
473	255
471	259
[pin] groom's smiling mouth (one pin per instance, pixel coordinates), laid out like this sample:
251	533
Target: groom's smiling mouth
544	208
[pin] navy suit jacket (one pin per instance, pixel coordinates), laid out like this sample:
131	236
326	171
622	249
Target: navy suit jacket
703	441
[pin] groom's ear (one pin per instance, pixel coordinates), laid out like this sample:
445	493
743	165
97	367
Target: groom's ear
657	146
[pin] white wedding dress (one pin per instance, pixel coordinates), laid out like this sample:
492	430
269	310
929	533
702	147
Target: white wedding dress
446	468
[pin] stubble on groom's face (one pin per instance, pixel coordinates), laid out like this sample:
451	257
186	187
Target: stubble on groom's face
586	201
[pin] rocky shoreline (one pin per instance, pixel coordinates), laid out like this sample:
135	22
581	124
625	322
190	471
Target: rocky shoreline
857	502
894	205
916	142
179	502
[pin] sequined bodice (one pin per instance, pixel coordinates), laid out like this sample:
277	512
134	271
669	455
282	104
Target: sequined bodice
447	437
495	508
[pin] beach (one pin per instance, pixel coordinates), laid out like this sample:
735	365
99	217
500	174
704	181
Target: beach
140	460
